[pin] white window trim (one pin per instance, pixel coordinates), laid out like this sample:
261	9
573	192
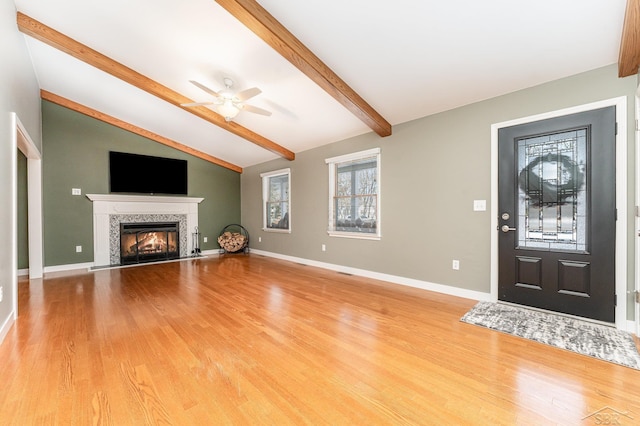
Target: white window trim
331	162
265	198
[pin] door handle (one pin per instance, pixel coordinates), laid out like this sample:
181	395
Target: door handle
505	228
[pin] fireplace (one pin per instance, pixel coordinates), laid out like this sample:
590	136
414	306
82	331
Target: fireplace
149	241
110	210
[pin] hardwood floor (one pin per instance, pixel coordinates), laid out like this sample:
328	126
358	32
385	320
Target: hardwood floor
252	340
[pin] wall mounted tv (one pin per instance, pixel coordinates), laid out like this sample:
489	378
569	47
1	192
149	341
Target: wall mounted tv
143	174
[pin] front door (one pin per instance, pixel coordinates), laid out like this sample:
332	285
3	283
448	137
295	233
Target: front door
557	215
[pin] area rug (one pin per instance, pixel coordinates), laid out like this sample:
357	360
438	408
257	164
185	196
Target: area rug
598	341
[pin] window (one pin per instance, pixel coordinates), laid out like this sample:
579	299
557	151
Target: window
276	200
354	195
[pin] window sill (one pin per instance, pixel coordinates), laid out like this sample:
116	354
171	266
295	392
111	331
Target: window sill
277	230
355	235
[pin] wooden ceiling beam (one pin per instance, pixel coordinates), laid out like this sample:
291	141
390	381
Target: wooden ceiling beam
265	26
53	38
629	56
82	109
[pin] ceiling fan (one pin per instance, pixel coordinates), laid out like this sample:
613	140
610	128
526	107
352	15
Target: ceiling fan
229	104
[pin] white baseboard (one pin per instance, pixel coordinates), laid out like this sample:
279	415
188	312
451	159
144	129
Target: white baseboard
69	267
90	266
23	272
410	282
6	326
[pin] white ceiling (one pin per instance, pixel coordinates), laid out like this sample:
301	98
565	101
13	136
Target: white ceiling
406	58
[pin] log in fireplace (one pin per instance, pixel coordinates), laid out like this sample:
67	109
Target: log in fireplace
147	242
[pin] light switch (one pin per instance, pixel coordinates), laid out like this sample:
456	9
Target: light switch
76	191
479	205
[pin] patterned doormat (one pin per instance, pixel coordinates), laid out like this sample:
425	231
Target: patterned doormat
598	341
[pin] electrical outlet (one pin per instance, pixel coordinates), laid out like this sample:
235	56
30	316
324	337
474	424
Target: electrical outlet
78	249
324	247
76	191
259	239
1	293
455	264
205	239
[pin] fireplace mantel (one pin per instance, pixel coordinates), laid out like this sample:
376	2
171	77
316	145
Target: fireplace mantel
106	205
113	198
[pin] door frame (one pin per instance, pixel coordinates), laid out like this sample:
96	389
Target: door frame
621	196
25	144
637	212
19	139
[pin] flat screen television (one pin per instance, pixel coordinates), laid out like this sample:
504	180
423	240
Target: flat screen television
144	174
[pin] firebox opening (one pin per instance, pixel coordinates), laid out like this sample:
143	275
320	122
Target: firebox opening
147	242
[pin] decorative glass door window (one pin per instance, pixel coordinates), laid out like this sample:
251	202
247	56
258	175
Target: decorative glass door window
552	201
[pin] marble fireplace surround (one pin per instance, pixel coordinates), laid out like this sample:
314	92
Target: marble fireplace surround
109	210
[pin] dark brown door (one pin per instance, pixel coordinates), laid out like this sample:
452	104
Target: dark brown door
557	214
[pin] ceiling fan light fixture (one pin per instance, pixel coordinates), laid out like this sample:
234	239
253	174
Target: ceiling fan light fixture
228	110
228	103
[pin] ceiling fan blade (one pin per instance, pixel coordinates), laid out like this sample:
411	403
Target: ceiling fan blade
205	88
190	104
256	110
243	95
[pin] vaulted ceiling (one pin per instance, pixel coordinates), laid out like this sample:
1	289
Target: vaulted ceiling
328	69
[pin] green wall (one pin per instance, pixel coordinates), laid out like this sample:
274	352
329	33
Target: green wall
76	155
23	220
432	170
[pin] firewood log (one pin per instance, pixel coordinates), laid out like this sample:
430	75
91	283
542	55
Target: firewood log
232	241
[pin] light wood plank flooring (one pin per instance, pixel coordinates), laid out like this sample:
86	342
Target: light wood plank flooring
244	339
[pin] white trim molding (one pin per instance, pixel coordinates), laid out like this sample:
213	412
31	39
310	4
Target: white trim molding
6	326
621	196
34	199
68	267
636	221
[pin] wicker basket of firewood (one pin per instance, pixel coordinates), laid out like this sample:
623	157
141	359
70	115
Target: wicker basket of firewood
234	238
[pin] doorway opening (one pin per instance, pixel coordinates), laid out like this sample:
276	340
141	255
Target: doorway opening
25	144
